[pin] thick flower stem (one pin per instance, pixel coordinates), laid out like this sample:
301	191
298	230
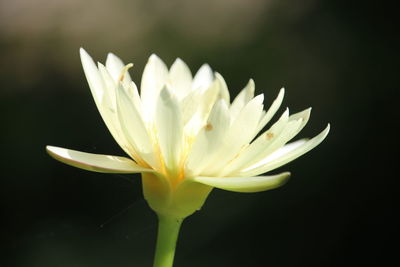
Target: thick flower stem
168	231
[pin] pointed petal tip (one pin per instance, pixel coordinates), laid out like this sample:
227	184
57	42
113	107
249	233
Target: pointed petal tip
86	59
100	65
286	112
205	68
322	135
153	56
52	149
251	83
281	95
327	128
83	53
284	178
259	98
285	175
111	56
178	60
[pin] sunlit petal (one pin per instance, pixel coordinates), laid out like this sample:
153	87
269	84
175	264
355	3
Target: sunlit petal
95	162
242	99
209	138
278	158
115	66
154	77
180	78
272	110
169	128
245	184
203	78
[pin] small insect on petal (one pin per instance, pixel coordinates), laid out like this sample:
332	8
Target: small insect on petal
269	136
208	127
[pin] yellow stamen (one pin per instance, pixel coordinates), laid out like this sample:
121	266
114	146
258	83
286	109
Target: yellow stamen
124	70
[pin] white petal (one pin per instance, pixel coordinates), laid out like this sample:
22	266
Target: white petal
109	87
245	184
134	128
154	77
169	129
95	162
112	88
303	115
190	104
272	110
287	133
223	88
209	138
238	136
274	161
203	107
180	78
133	93
93	76
203	78
242	99
287	148
115	66
104	97
257	149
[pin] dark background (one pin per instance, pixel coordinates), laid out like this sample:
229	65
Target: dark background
340	57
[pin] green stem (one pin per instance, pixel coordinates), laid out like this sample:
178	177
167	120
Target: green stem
168	231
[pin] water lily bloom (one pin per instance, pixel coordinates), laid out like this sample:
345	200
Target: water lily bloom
185	136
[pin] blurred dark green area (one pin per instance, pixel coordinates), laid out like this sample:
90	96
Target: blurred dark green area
340	57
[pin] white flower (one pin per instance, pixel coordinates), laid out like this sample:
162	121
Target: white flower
185	136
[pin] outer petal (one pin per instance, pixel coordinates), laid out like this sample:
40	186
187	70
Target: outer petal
277	159
95	162
93	76
272	110
245	184
104	97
